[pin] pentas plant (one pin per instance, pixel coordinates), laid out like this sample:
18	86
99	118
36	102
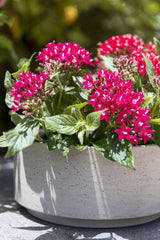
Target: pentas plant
29	92
129	56
133	47
64	57
122	107
63	104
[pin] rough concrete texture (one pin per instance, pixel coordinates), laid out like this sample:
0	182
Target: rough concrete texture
17	224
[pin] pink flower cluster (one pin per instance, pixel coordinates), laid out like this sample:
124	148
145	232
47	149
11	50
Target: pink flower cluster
120	45
132	46
121	105
64	56
29	92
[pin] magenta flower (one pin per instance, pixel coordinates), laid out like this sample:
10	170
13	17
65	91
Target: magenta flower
134	48
122	106
64	56
29	92
120	45
124	132
89	83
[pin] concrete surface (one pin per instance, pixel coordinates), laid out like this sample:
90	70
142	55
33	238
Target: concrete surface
17	224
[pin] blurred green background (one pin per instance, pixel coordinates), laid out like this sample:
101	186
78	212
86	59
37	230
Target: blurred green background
26	26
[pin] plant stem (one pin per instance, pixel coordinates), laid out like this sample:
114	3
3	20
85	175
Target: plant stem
87	135
44	128
43	124
158	94
60	91
38	138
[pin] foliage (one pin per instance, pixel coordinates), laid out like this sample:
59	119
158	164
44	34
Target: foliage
27	26
64	105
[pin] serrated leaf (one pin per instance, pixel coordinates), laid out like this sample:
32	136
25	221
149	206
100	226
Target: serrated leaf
69	90
148	100
3	142
17	118
24	66
80	106
8	81
49	108
76	113
157	44
21	136
81	136
93	120
115	150
85	94
62	123
78	81
9	100
138	82
150	70
108	63
50	85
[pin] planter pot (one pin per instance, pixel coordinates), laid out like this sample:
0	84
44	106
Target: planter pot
87	190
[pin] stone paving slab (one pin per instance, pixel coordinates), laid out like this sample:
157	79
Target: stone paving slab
17	224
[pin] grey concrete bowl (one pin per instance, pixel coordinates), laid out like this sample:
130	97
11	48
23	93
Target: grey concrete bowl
87	190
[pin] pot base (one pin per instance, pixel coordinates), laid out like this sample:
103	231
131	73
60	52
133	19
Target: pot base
92	223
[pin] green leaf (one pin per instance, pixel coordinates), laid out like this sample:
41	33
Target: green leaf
93	120
155	111
17	118
62	123
81	147
150	70
148	100
8	81
9	100
21	136
156	121
24	65
76	113
49	84
84	94
156	134
108	63
3	141
56	142
157	44
115	150
49	107
81	136
4	19
69	90
78	81
138	82
80	106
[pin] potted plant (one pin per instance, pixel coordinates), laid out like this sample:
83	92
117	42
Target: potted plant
89	116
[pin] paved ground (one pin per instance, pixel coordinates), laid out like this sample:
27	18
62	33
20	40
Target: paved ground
17	224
